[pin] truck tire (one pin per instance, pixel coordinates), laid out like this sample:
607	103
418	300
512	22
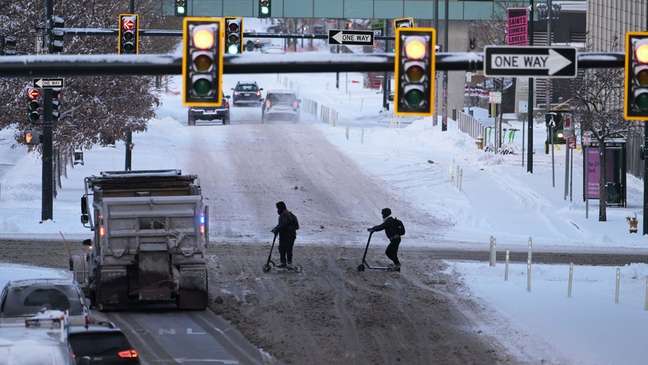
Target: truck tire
191	120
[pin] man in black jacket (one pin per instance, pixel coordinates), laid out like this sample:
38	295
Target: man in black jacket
393	234
287	231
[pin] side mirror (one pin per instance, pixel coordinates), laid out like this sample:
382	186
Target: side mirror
228	96
85	219
87	242
261	89
84	205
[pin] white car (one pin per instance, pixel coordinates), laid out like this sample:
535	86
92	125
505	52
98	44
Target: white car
280	105
22	299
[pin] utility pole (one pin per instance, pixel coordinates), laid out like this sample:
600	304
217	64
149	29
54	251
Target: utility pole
643	152
436	102
446	45
129	133
386	74
530	102
47	176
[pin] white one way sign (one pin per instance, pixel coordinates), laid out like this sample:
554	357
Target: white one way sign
530	61
351	37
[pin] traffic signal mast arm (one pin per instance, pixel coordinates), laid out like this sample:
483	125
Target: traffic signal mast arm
247	63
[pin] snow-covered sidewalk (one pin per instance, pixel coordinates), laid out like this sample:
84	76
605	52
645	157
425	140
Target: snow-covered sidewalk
544	324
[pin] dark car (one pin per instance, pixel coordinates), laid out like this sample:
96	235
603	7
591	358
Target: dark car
280	105
25	298
221	113
247	93
101	343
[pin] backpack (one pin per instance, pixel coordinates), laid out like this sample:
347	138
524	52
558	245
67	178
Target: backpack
293	221
400	227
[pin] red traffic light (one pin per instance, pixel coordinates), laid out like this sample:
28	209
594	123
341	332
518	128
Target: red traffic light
128	24
33	94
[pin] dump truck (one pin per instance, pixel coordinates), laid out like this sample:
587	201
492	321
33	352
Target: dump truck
150	232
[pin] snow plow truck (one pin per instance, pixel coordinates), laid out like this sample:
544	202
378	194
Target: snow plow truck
150	232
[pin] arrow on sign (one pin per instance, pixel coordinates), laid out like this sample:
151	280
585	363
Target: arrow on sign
553	62
351	37
338	37
49	83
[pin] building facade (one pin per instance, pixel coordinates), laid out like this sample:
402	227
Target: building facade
609	20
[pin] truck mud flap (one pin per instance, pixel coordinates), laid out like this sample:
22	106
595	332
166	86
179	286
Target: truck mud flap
112	288
193	287
154	276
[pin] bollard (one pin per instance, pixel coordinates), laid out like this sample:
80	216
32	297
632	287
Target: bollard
618	286
362	136
646	301
529	276
347	133
493	243
506	266
530	253
571	280
460	179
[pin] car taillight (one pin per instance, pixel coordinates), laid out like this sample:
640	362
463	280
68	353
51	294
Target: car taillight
268	104
295	104
258	93
102	231
202	224
128	354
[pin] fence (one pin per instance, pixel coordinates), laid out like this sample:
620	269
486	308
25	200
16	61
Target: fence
470	125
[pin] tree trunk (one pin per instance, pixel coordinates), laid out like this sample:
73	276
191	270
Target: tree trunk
602	180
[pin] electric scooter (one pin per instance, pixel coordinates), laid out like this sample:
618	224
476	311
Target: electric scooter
270	263
365	264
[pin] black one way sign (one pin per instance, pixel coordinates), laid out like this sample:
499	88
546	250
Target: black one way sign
351	37
548	62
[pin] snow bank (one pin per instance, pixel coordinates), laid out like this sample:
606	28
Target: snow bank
546	325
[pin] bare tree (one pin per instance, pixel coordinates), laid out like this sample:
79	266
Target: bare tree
599	111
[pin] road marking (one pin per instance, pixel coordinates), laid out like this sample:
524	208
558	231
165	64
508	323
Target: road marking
220	361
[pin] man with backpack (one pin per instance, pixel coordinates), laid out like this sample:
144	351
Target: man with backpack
394	229
287	231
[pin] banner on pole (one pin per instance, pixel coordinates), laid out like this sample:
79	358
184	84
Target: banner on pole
517	27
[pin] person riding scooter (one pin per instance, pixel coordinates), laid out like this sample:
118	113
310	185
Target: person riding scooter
394	229
287	231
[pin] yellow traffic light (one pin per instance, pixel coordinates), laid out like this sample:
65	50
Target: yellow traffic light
202	61
635	105
414	69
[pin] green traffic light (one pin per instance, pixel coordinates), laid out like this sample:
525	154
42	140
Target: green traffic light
641	101
202	87
414	98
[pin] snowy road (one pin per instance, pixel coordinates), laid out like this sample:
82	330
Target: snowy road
260	164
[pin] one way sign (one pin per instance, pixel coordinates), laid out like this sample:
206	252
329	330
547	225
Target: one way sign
351	37
543	62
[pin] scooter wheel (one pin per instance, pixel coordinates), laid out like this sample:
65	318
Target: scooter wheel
361	267
267	268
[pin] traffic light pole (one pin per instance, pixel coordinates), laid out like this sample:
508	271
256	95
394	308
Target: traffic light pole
444	106
643	152
530	101
47	211
386	74
129	133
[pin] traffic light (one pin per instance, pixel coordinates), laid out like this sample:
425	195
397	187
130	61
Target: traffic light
34	104
56	34
32	137
403	23
414	68
202	61
636	76
234	35
128	37
265	7
56	104
180	7
9	46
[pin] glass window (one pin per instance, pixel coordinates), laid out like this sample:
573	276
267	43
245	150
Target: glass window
279	99
27	301
246	87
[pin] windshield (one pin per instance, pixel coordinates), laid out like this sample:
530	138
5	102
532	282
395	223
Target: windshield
246	87
279	99
27	301
92	344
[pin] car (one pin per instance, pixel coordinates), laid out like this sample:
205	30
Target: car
25	298
221	113
38	340
280	104
247	93
101	343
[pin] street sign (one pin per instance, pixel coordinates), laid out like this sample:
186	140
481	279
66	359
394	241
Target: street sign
351	37
55	83
543	62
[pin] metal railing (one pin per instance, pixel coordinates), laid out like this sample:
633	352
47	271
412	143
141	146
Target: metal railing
470	125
